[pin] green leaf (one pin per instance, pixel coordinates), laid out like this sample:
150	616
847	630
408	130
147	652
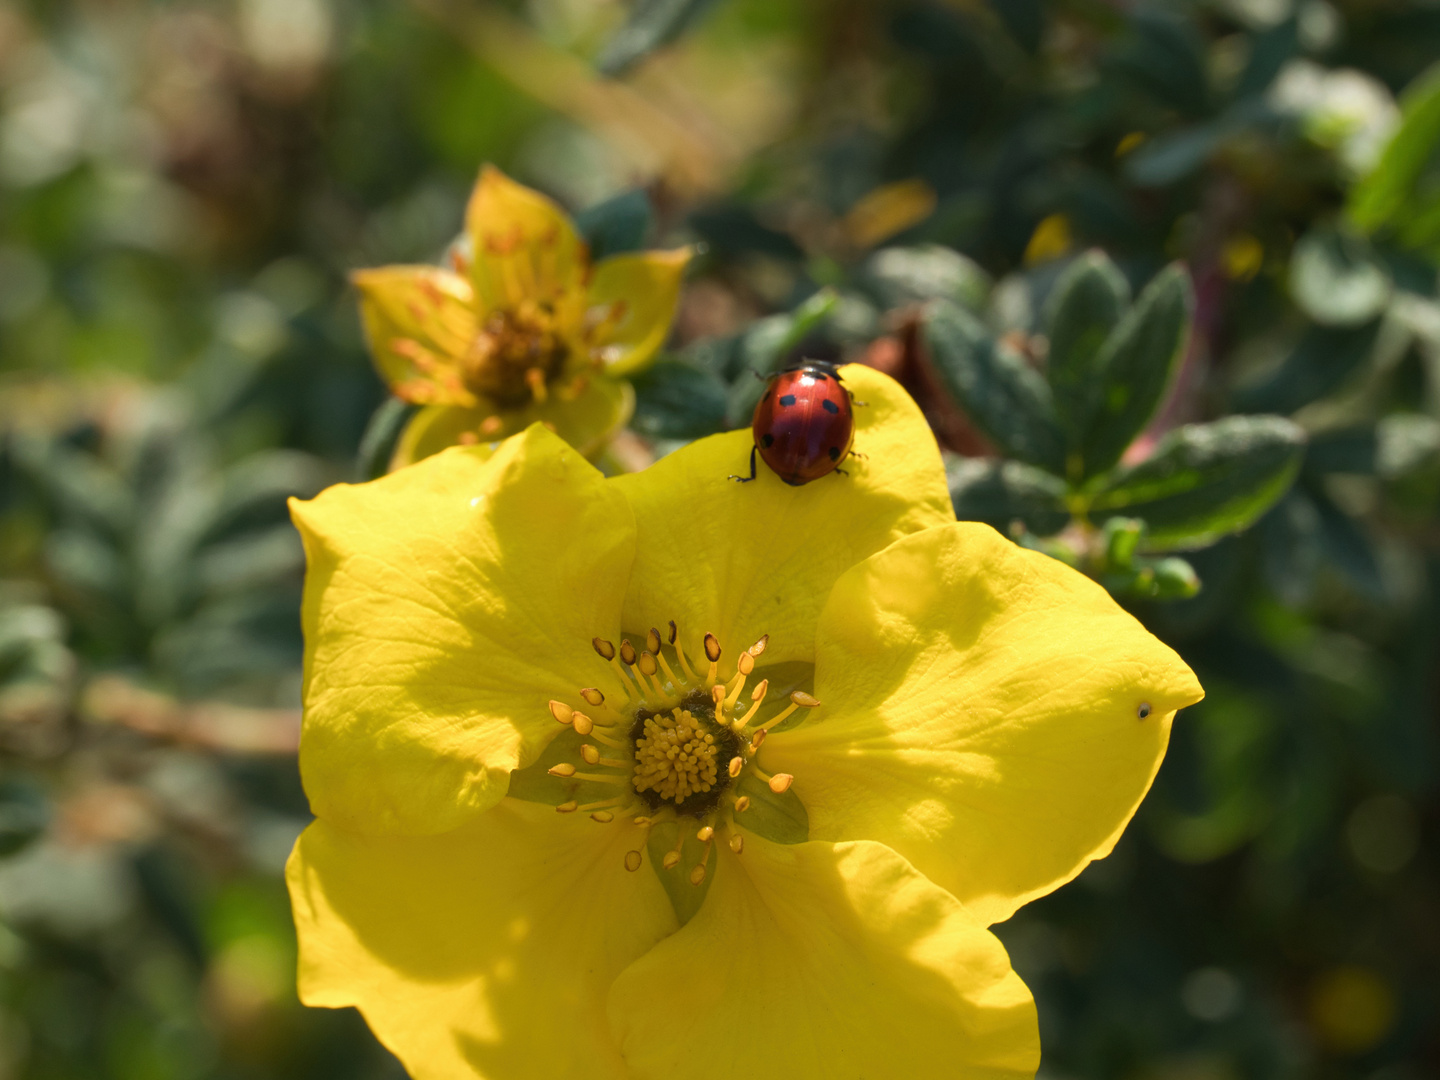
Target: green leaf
1401	195
651	25
675	400
23	814
1082	312
616	225
1323	360
381	435
1000	493
915	275
1008	400
1206	480
1135	367
1337	279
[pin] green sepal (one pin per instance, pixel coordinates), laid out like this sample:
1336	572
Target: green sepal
1088	301
1007	399
1205	480
1134	368
1001	493
781	818
685	898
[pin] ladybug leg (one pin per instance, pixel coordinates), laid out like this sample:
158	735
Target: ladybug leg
857	454
856	401
841	471
746	479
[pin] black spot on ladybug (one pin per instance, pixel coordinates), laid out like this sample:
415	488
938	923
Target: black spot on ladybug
788	400
767	440
834	450
829	406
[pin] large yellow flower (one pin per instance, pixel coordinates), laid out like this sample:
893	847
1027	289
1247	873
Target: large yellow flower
523	330
811	742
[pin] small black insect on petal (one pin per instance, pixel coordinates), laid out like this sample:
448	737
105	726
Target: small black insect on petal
829	406
788	400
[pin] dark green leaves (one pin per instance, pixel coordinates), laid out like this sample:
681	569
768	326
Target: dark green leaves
676	400
1134	368
651	25
1005	397
1107	371
23	814
616	225
377	445
1206	480
1401	195
1001	493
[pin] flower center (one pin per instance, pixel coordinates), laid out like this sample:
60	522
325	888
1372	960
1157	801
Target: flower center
679	755
677	746
517	352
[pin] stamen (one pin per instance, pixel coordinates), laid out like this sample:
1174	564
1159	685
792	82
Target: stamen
757	696
735	686
647	664
737	843
567	807
742	804
746	664
564	769
804	700
626	677
736	764
712	648
672	857
680	655
665	667
705	833
615	800
798	700
582	723
757	739
590	754
627	652
561	711
652	641
674	630
605	648
604	817
597	778
593	696
698	874
759	646
632	860
780	783
606	740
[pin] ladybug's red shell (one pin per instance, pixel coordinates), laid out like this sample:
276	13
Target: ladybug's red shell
804	425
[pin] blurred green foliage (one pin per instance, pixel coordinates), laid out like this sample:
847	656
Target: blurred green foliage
1162	275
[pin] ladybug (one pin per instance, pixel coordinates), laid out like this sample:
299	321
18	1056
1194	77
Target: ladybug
804	426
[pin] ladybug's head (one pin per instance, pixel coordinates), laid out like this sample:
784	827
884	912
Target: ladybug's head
821	367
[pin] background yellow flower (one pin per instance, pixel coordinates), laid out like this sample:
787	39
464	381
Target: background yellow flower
523	329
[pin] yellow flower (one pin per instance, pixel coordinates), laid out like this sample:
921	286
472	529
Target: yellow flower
523	330
811	743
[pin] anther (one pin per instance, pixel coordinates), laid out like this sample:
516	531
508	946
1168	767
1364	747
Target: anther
590	754
627	652
583	724
671	860
780	783
759	646
604	648
604	817
674	630
757	739
737	843
758	694
705	834
567	807
647	663
742	804
652	641
632	860
746	664
804	700
593	696
561	711
736	764
563	769
697	875
712	648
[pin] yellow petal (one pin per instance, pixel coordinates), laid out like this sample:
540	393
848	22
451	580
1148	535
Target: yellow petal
445	605
586	415
741	560
524	246
817	961
481	952
418	321
632	301
981	715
